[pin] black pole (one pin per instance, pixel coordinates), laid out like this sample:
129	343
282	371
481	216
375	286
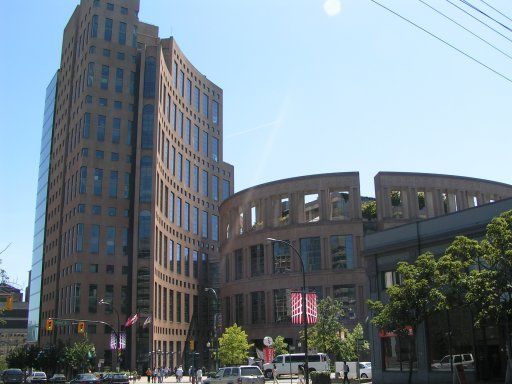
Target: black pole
215	315
305	318
116	331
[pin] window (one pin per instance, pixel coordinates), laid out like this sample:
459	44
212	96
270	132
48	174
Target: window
195	263
134	37
87	125
397	204
282	306
342	252
90	74
116	130
204	224
171	207
108	29
124	11
145	179
311	208
186	260
106	52
215	188
188	94
340	205
258	307
122	33
196	138
178	211
226	187
171	255
132	83
205	183
110	6
257	260
346	295
186	216
196	178
147	126
389	278
80	237
215	227
100	129
281	257
94	27
109	269
311	254
205	144
181	82
104	76
83	180
150	78
196	99
187	131
112	211
120	55
205	104
102	102
195	220
93	268
215	149
124	243
239	310
93	298
179	165
126	187
96	210
178	307
178	258
144	234
239	264
88	99
119	80
94	239
187	173
112	187
215	112
186	309
98	181
118	105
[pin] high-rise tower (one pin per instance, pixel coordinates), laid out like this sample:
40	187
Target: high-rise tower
136	174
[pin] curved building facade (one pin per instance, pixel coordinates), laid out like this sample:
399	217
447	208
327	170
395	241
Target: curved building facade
320	215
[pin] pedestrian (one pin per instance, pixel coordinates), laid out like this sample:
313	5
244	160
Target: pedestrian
199	376
179	374
148	374
274	373
346	370
160	375
153	377
192	374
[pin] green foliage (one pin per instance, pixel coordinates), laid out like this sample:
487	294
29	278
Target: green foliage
421	200
354	344
233	346
50	358
325	334
320	377
280	346
77	355
369	210
3	363
23	356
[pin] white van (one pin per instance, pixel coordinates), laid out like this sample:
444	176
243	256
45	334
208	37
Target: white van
289	364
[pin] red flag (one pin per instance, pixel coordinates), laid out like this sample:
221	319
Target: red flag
311	309
131	320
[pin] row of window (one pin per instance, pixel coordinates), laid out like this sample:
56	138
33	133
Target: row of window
110	7
251	262
97	183
174	306
115	129
75	238
236	312
108	30
105	78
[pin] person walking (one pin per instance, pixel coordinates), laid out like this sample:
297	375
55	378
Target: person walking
179	374
274	374
148	374
346	370
199	375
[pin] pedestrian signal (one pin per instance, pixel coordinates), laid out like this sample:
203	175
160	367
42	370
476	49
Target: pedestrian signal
49	325
81	327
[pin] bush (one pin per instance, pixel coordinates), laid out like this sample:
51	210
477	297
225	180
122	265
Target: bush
320	377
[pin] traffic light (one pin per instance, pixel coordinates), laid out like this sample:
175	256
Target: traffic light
81	327
191	345
49	325
9	303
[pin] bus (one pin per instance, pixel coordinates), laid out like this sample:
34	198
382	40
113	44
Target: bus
288	364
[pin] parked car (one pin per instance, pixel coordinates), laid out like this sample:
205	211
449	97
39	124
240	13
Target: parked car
85	378
37	377
13	376
115	378
466	359
57	378
365	370
288	364
244	374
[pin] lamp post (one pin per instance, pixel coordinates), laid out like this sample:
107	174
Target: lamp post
215	341
305	317
118	336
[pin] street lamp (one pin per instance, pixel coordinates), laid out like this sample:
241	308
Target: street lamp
305	317
215	341
118	336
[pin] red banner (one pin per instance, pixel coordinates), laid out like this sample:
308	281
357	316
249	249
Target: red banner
383	333
268	354
311	308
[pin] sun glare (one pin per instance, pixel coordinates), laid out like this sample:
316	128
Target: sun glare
332	7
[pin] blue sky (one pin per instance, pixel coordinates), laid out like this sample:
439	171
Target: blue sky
305	92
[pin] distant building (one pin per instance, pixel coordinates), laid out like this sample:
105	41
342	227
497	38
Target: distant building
13	323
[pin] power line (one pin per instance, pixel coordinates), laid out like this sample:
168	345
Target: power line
443	41
466	29
501	13
480	21
485	14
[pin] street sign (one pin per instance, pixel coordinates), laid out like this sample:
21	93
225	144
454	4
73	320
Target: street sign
267	340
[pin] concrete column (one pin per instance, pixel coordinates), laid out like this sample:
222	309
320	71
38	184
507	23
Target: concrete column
413	208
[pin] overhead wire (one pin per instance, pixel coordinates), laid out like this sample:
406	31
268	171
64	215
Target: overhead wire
480	21
485	14
466	29
443	41
497	10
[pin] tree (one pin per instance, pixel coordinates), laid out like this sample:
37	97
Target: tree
490	285
280	346
78	354
325	335
411	302
369	209
23	356
353	344
233	346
